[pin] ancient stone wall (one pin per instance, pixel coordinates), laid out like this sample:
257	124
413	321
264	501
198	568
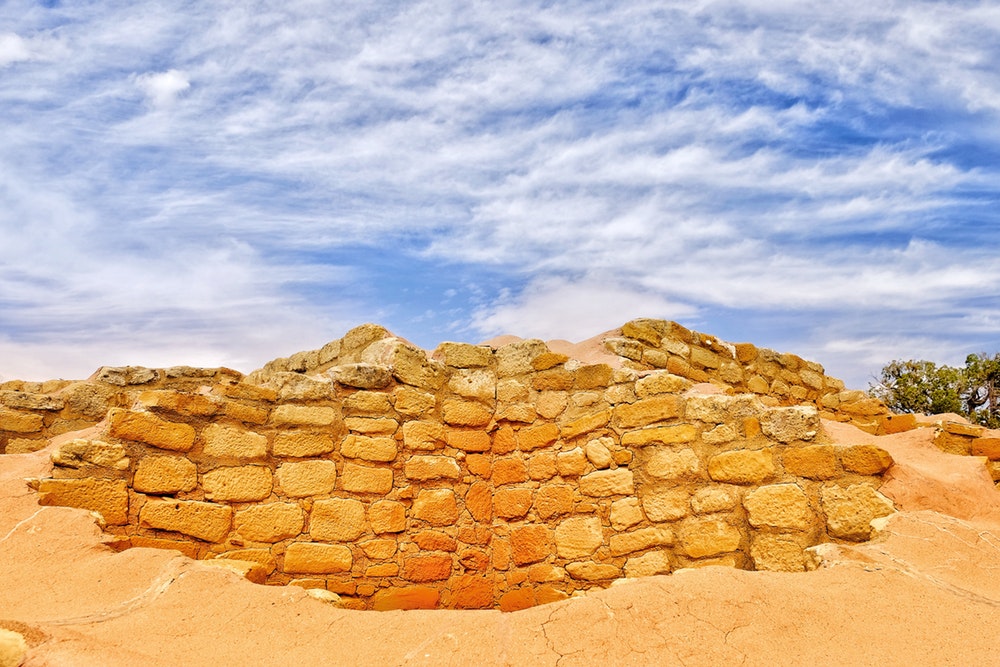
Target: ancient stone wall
476	477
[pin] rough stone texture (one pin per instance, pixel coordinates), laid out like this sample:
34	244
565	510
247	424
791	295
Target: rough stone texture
147	428
269	523
673	464
226	442
312	558
80	453
108	497
370	449
387	516
666	504
865	459
608	483
303	415
422	468
778	553
531	544
637	540
792	423
435	506
850	511
300	444
238	484
362	479
337	520
708	537
648	564
813	462
205	521
578	537
742	466
782	506
165	474
307	478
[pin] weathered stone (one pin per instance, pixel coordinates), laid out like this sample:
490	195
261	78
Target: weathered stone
165	400
261	557
409	364
313	558
509	471
412	402
850	511
758	385
123	376
479	501
423	435
247	414
463	355
551	404
782	506
625	513
599	454
777	553
411	597
648	564
271	522
371	425
144	427
637	540
720	409
647	411
226	442
578	537
304	415
25	445
511	503
664	435
660	382
988	447
673	464
789	424
710	499
742	466
307	478
702	358
585	424
476	384
865	459
361	376
533	437
553	500
469	441
367	403
593	376
203	521
608	483
237	484
370	449
165	474
465	413
432	540
361	479
813	462
435	506
13	648
517	358
107	497
422	468
300	444
81	453
379	549
572	463
423	568
701	537
666	504
590	571
387	516
337	520
530	544
556	379
542	466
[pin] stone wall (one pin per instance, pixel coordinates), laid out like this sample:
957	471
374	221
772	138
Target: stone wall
478	477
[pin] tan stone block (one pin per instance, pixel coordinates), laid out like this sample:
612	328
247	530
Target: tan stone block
369	449
551	404
721	408
474	559
608	483
585	424
312	558
247	414
480	465
702	358
412	402
432	540
479	501
533	437
517	358
409	364
204	521
647	411
553	500
362	479
307	478
758	385
701	537
422	468
107	497
20	422
379	549
789	424
783	506
745	352
648	331
25	445
509	471
572	463
720	434
660	382
578	537
865	459
542	466
474	384
742	466
949	443
463	355
361	376
270	522
530	544
367	403
673	464
648	564
511	503
988	447
521	413
337	520
423	435
261	557
891	424
590	571
227	442
599	454
625	513
432	567
382	570
410	597
247	392
237	484
81	453
435	506
300	444
469	441
593	376
710	499
167	400
165	474
304	415
371	425
666	504
638	540
850	511
777	553
387	516
664	435
512	391
147	428
813	462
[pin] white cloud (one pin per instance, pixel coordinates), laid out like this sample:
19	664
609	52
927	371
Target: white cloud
163	88
13	49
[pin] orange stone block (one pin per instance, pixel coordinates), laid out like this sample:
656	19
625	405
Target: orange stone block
505	441
530	544
511	503
552	501
431	540
521	598
479	501
427	568
534	437
472	592
509	471
411	597
474	559
469	441
479	465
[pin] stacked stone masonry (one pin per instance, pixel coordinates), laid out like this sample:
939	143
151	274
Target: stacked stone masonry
470	478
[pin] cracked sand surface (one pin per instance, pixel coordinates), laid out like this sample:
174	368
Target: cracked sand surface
925	592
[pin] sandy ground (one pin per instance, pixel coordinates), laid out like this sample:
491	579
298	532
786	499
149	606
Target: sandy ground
925	592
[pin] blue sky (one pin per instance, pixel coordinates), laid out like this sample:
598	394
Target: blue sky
222	183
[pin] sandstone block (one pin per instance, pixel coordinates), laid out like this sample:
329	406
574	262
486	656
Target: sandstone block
593	376
469	441
742	466
551	404
850	511
666	504
300	444
702	358
648	564
533	437
720	408
361	479
673	464
409	364
425	435
865	459
123	376
144	427
271	522
660	382
262	557
307	478
304	415
664	435
604	483
361	376
387	516
410	597
812	462
585	424
590	571
422	468
25	445
166	400
789	424
108	497
435	506
432	540
475	384
988	447
204	521
186	547
413	402
638	540
371	425
379	549
434	567
367	403
758	385
237	484
337	520
31	401
542	466
479	501
782	506
647	411
463	355
13	648
625	513
572	463
227	442
578	537
777	553
553	500
517	358
897	424
709	499
312	558
247	414
471	592
509	471
165	474
556	379
599	454
82	453
530	544
382	570
703	537
369	449
511	503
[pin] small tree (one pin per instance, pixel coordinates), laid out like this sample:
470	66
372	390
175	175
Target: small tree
981	390
919	386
